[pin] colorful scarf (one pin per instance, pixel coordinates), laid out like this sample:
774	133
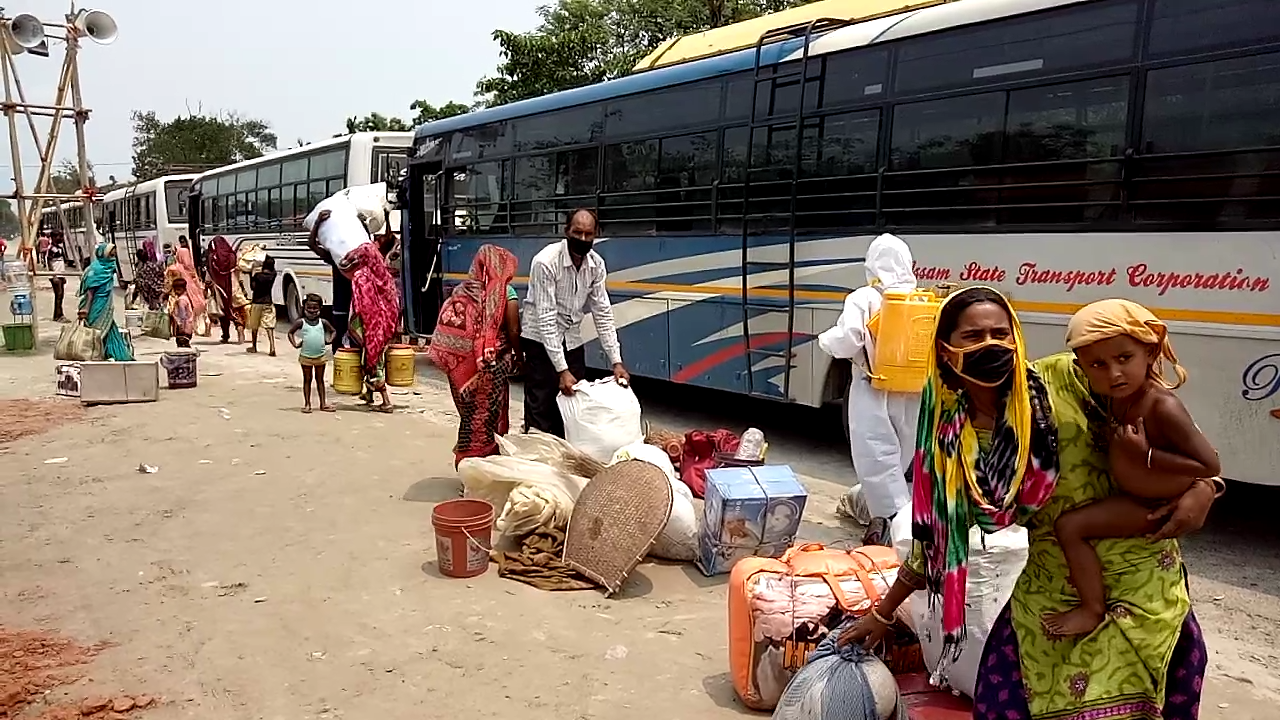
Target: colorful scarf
468	345
468	330
958	486
375	298
222	262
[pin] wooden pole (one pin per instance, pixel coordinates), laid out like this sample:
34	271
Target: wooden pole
82	154
25	245
44	181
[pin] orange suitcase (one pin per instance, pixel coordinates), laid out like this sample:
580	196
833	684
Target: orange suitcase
780	609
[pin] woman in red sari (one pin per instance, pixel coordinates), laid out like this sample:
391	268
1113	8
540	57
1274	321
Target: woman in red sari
477	344
222	263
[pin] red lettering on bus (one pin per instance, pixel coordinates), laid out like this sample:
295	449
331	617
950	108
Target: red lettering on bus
931	274
1140	276
976	272
1030	274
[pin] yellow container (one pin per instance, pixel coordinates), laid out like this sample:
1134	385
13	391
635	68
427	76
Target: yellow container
903	330
348	376
400	365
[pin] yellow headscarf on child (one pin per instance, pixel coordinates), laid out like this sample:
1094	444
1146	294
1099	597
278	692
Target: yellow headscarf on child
1106	319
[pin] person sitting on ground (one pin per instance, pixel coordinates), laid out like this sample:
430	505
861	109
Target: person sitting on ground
313	349
262	313
1157	452
182	314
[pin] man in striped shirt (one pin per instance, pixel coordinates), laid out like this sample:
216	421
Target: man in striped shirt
566	281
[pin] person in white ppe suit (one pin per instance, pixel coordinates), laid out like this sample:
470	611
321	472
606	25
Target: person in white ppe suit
882	425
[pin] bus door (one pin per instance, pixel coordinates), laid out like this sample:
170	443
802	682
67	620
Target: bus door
193	225
129	234
421	242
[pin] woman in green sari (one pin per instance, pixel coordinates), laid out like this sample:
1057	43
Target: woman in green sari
1001	442
98	301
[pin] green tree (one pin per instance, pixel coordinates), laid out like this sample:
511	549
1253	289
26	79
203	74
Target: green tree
196	141
9	227
426	112
375	122
580	42
430	113
65	178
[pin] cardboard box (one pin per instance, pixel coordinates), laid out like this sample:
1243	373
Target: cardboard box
68	377
749	511
119	382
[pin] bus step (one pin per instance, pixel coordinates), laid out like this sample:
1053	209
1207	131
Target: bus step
767	396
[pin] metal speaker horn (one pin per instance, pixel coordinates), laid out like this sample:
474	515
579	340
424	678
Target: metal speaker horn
27	31
99	26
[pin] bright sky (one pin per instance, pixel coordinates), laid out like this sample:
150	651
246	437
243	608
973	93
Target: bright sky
304	67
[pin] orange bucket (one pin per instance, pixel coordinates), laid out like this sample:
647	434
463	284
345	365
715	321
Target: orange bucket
464	531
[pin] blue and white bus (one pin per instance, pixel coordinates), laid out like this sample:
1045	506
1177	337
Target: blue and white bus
1063	151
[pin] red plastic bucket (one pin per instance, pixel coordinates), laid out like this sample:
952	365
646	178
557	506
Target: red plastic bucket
464	531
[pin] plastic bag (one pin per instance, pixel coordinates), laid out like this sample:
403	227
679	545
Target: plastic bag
155	324
995	562
79	343
840	683
600	417
537	446
554	451
546	495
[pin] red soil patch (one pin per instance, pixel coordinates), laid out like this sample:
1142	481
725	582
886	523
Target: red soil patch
24	417
34	662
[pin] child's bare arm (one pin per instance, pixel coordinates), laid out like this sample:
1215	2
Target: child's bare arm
329	332
293	331
1194	456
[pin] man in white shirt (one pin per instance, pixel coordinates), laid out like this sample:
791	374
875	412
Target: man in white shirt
566	281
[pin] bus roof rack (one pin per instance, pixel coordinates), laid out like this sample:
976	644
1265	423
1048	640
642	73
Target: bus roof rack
745	34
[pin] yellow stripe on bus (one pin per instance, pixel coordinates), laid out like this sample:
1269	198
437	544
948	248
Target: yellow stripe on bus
1220	317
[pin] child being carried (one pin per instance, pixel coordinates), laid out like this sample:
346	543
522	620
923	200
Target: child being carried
1157	452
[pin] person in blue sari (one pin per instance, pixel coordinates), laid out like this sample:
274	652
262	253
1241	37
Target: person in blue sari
98	300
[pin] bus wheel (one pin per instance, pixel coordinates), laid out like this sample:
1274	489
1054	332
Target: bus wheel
292	301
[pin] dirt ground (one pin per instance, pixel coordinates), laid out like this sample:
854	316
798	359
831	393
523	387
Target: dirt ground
271	568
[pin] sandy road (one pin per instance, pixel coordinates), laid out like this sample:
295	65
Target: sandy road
307	591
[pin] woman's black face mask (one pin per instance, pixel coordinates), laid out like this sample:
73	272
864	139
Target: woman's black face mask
987	364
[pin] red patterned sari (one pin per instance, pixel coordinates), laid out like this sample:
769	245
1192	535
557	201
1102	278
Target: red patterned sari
469	345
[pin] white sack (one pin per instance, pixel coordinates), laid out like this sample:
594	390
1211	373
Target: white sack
537	446
369	201
653	455
679	538
529	494
993	571
600	417
342	232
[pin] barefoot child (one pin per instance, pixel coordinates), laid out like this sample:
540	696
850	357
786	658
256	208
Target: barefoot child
317	334
182	316
262	313
1157	452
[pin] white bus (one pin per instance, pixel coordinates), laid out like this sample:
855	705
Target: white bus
150	211
68	219
265	199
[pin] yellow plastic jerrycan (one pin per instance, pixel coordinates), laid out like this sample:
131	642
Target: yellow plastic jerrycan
903	330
